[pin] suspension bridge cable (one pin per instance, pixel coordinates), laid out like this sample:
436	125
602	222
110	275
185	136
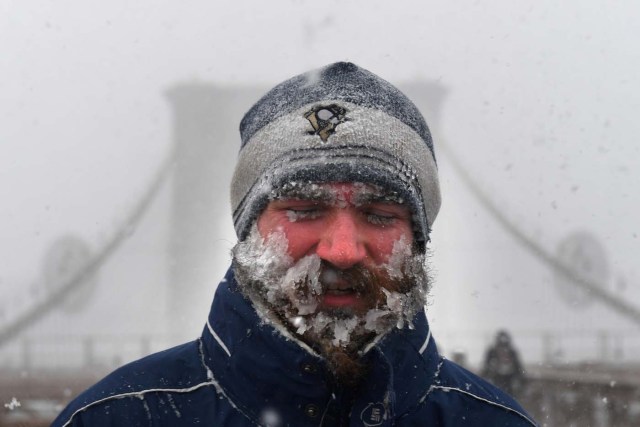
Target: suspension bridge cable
58	296
594	288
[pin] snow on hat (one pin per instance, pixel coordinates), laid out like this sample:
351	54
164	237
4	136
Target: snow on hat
340	123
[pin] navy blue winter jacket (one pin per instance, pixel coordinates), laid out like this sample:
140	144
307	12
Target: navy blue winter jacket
241	372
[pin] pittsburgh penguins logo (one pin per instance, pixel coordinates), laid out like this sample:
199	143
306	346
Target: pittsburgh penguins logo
325	119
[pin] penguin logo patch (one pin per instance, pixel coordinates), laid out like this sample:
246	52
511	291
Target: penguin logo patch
325	119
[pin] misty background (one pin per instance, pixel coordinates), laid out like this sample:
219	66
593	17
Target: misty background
536	101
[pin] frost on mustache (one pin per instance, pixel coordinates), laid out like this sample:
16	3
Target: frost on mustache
305	272
290	291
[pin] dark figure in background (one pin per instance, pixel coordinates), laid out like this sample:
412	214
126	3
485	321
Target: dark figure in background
502	365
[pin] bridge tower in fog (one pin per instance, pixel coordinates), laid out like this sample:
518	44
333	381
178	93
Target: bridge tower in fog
206	140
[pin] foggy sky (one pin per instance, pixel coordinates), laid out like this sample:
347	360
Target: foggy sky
540	108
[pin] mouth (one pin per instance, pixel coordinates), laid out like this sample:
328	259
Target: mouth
340	290
335	281
340	295
348	291
338	285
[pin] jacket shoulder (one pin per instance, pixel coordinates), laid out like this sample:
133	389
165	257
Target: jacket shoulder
461	398
174	371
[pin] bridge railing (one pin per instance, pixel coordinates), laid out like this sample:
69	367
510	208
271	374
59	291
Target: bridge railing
587	394
69	352
111	351
544	347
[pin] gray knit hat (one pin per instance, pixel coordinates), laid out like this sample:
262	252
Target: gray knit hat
340	123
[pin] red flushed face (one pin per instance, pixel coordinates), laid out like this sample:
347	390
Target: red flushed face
346	225
335	265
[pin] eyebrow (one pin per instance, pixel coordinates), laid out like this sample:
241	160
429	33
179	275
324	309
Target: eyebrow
297	191
322	194
377	196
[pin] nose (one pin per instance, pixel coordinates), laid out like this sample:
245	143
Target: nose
341	243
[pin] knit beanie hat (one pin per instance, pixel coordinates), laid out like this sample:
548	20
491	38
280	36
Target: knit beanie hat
340	123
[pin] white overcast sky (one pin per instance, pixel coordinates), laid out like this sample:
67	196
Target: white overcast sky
541	107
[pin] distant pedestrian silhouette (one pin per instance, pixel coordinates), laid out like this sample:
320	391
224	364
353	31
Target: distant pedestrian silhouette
502	365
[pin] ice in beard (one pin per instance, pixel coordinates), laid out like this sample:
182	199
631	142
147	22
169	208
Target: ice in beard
286	291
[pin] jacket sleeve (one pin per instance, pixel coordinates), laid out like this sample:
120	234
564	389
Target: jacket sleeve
125	411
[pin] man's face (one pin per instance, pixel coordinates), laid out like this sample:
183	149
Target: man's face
334	264
345	225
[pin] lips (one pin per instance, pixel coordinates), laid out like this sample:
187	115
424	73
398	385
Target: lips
338	285
342	289
340	294
339	291
334	281
347	300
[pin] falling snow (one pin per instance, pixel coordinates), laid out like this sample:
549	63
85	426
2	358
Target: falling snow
15	403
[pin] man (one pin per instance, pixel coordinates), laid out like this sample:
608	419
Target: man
320	319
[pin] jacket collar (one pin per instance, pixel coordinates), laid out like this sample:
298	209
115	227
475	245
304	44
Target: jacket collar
263	373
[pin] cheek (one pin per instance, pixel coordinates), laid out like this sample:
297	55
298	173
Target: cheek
301	238
383	242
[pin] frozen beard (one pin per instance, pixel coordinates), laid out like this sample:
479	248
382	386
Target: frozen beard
289	294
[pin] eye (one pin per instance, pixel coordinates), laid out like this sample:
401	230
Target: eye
303	213
380	218
385	214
